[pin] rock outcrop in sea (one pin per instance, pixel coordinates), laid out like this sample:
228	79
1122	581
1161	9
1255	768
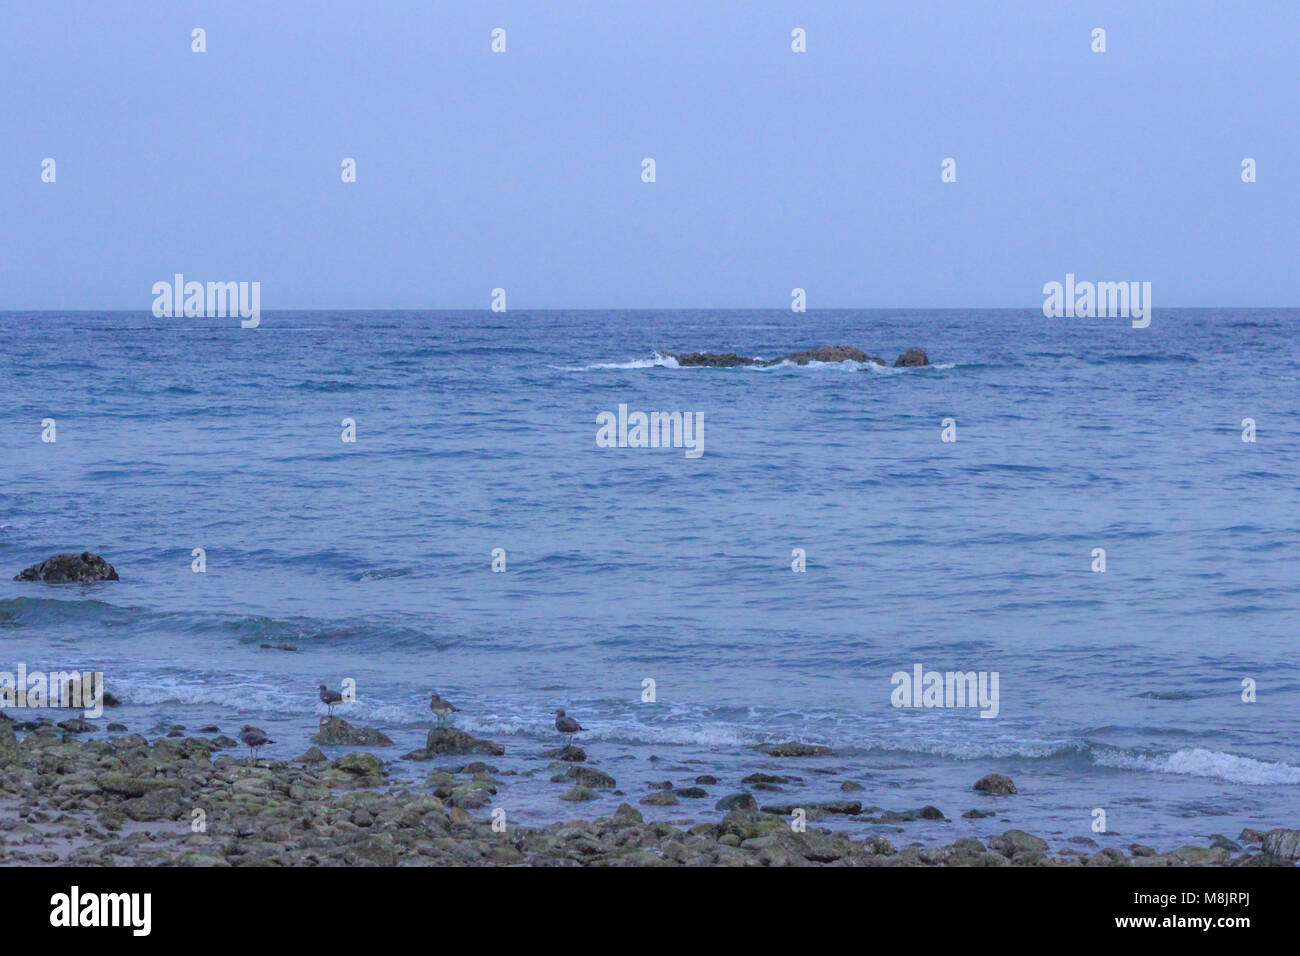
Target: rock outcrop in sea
69	568
826	353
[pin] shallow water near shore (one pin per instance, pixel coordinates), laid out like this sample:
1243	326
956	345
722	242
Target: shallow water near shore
476	431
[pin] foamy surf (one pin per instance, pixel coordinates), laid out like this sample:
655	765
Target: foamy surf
1200	762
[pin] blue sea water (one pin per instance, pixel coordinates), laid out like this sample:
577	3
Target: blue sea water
476	431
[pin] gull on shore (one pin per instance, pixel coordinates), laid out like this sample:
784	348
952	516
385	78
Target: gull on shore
330	697
567	726
255	737
442	709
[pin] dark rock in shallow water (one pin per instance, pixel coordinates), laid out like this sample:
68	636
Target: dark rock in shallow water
909	816
737	801
448	740
711	359
335	731
77	726
65	568
660	798
995	783
571	753
793	748
912	358
830	353
824	353
591	777
849	807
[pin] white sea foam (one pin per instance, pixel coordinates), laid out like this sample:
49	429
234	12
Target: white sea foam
1200	762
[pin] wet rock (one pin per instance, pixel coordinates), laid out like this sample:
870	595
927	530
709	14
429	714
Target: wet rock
570	753
711	359
909	816
996	784
691	793
848	786
912	358
66	568
313	755
579	794
793	748
1218	839
1017	841
448	740
360	764
77	726
1283	844
705	780
591	777
768	778
660	798
831	353
975	815
744	802
336	732
626	815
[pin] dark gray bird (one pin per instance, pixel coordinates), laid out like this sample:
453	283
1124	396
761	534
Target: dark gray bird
567	726
329	697
255	737
442	709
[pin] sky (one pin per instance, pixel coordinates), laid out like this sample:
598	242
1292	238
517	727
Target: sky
774	170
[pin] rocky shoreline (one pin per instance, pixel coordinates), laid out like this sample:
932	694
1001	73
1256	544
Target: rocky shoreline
124	800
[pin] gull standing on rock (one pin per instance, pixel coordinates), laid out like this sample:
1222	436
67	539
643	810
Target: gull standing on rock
255	737
567	726
442	709
330	697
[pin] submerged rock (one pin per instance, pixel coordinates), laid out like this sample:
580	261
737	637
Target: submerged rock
65	568
571	753
591	777
912	358
995	783
335	731
793	748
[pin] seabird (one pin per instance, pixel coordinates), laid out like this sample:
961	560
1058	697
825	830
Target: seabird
329	697
255	737
442	709
566	725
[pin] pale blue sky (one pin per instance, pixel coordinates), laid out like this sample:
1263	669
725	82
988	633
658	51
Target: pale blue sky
522	170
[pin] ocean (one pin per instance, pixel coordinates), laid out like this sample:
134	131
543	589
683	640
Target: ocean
476	431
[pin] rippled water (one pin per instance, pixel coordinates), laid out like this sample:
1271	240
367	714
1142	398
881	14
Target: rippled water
476	431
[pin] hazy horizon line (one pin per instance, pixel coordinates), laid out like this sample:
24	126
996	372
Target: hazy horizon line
647	308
